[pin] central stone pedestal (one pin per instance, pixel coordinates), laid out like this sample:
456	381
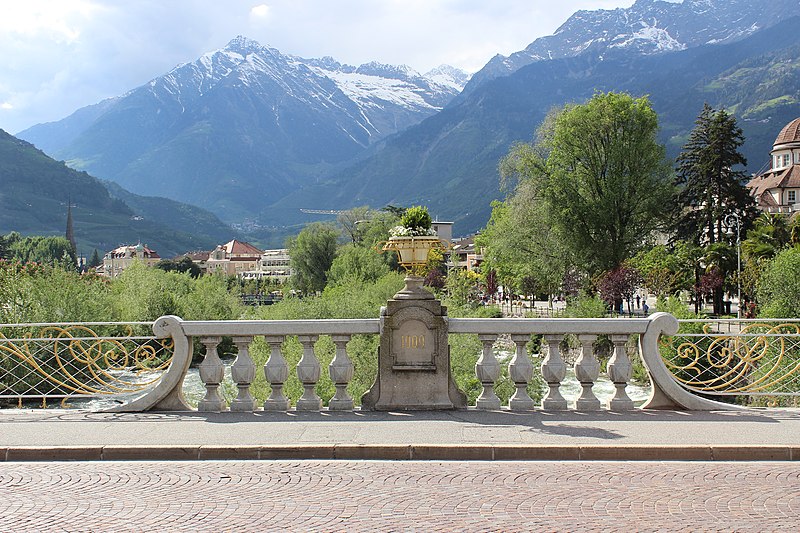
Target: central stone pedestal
414	355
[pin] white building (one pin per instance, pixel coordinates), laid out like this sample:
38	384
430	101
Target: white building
778	189
118	259
274	264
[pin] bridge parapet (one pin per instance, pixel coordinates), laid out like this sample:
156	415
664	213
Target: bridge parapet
709	359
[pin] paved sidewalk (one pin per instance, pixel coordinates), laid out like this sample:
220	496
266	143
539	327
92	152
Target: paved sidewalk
399	496
452	435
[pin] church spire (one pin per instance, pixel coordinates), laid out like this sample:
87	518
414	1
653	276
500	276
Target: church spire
70	235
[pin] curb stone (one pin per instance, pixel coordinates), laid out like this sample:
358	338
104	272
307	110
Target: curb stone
416	452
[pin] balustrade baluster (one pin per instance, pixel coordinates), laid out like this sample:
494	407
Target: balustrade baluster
619	372
308	373
520	370
587	370
277	372
488	370
212	372
553	371
243	373
341	372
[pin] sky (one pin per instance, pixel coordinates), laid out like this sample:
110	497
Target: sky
57	56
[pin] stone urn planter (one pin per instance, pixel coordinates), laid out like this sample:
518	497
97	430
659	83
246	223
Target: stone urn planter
413	251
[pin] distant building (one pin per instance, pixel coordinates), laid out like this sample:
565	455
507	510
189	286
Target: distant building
274	264
234	258
778	189
118	259
444	230
463	254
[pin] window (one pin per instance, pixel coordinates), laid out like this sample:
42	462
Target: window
776	161
792	196
787	160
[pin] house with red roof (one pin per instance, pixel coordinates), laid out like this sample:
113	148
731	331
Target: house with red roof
778	189
234	258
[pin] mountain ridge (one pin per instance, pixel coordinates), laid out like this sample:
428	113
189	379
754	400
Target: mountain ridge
244	125
647	27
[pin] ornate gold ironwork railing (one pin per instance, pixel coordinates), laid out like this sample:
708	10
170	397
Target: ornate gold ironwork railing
735	357
66	361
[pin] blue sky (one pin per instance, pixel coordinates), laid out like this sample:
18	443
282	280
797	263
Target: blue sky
60	55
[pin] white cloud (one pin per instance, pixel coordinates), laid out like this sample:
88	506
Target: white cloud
6	105
260	11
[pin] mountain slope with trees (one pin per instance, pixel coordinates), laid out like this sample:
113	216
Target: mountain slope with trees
36	189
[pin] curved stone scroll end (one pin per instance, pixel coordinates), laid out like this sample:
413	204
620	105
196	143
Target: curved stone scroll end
667	393
165	326
664	323
168	394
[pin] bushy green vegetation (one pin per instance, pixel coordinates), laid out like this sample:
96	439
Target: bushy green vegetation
779	286
43	293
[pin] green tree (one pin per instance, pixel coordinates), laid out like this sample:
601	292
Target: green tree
44	250
40	293
141	293
779	287
209	299
771	232
667	270
357	263
312	253
5	252
521	242
94	260
353	222
711	178
184	264
608	181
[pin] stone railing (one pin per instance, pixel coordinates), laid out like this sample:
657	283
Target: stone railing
168	394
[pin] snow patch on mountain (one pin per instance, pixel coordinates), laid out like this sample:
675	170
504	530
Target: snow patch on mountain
647	27
657	39
371	91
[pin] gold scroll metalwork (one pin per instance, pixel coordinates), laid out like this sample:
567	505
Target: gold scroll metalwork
73	360
761	358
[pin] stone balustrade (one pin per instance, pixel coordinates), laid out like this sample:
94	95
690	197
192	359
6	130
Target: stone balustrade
666	393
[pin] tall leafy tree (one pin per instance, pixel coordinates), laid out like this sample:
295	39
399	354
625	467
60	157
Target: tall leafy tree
711	178
608	180
312	253
353	222
519	241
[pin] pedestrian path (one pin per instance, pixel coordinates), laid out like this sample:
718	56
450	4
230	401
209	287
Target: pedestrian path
445	435
399	496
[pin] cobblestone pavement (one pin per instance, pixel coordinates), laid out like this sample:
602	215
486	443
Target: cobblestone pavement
399	496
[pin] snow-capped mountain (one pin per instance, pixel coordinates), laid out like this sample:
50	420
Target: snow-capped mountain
377	90
647	27
243	125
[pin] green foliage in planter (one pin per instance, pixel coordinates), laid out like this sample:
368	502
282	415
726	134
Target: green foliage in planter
416	218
